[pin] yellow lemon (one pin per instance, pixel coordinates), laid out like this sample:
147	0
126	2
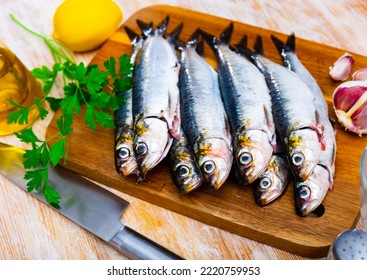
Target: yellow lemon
83	25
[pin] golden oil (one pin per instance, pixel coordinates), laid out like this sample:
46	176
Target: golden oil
18	84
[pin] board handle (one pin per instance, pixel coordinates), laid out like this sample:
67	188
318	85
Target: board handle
138	247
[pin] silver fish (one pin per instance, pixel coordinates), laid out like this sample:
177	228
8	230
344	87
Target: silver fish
248	107
274	180
156	107
125	161
310	193
204	120
184	169
294	111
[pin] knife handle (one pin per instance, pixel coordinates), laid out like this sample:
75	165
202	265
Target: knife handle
138	247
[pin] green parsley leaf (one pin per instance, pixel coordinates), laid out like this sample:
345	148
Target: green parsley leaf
110	65
64	123
52	196
57	151
27	136
71	102
42	111
126	67
37	156
36	178
54	103
122	84
18	116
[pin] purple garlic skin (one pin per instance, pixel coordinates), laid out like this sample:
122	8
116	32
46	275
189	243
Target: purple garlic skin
342	68
360	75
350	106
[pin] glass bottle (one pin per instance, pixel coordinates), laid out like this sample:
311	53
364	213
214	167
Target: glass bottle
18	84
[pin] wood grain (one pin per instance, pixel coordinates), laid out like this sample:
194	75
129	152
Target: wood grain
31	230
232	208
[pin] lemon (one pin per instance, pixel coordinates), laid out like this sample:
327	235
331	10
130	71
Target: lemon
83	25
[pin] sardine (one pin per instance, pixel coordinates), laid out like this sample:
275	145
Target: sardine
294	111
183	167
156	109
204	120
125	161
310	193
274	180
248	107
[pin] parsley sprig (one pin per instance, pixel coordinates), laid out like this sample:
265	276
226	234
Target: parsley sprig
84	85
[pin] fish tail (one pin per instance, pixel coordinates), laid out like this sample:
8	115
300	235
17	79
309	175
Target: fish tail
173	36
226	35
146	28
289	45
200	47
211	40
194	38
162	27
258	47
133	36
242	48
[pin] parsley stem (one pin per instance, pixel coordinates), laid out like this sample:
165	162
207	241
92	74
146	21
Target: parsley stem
58	50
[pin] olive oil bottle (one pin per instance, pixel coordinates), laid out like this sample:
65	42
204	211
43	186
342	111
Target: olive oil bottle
18	84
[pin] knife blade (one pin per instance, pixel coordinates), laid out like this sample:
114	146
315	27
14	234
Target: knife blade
88	205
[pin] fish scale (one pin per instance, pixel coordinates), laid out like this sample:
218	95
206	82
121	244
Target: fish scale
248	107
156	109
310	193
203	116
294	112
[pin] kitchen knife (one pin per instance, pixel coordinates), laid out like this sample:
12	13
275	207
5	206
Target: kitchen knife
88	205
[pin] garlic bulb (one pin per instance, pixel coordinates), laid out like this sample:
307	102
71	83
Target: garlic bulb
350	105
342	68
360	75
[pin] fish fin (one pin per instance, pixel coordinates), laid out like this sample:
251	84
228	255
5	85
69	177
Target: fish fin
270	125
162	27
173	36
226	35
291	42
194	38
200	48
258	47
279	44
133	36
333	122
319	128
146	28
241	47
210	39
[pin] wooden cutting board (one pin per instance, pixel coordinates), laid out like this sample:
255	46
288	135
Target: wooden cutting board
231	208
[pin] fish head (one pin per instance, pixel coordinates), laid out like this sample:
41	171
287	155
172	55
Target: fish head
304	150
309	194
215	160
151	143
125	161
185	172
273	181
253	152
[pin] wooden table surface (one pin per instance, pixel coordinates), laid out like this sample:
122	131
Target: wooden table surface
32	230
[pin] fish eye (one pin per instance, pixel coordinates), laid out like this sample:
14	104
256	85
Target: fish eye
265	183
182	171
304	192
245	158
141	149
209	167
124	153
298	159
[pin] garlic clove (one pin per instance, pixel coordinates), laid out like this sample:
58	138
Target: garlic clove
350	106
342	68
360	75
